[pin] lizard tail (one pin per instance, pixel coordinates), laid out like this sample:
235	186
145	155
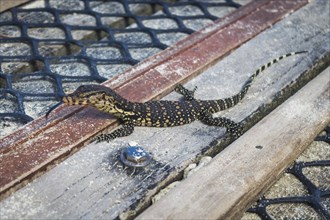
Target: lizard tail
231	101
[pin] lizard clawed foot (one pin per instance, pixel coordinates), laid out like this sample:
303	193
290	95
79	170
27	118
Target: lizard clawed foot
235	130
188	94
102	138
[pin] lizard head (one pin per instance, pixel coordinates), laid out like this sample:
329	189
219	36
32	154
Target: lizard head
98	96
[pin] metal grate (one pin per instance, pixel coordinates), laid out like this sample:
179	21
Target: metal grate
318	190
50	47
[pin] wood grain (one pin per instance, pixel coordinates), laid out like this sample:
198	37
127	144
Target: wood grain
92	184
235	177
162	72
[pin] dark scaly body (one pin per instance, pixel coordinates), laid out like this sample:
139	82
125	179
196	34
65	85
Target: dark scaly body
160	113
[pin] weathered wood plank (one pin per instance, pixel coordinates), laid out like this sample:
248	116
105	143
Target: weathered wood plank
92	184
68	133
234	178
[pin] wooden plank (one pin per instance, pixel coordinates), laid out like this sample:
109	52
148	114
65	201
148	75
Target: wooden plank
92	184
31	142
234	178
6	4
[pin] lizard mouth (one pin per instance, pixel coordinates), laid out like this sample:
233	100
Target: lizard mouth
72	100
69	100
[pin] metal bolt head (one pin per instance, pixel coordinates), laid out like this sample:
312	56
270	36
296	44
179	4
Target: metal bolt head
135	156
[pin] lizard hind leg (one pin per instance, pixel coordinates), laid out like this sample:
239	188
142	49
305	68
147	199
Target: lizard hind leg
234	129
187	94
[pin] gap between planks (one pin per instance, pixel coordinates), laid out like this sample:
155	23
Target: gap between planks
234	178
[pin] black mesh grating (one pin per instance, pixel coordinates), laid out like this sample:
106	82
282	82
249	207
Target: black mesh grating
51	46
317	196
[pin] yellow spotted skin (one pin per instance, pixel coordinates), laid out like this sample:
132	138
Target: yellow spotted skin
161	113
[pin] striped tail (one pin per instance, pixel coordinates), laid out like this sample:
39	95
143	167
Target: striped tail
229	102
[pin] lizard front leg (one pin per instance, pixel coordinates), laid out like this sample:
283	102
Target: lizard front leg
187	94
235	129
126	130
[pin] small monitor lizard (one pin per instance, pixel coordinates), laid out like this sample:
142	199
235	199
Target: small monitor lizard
160	113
